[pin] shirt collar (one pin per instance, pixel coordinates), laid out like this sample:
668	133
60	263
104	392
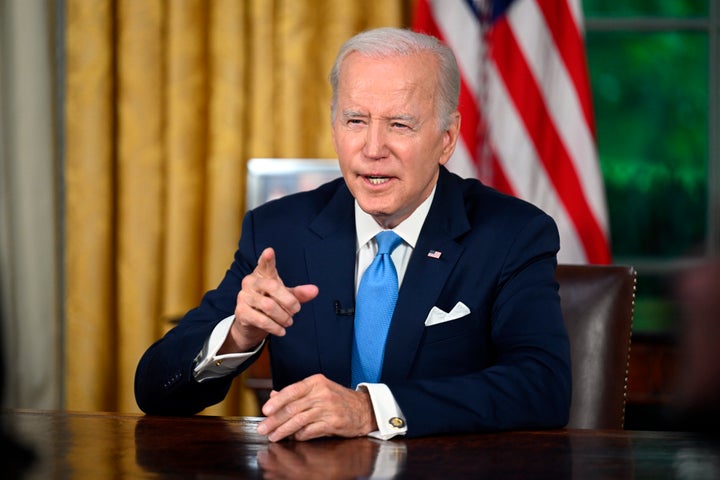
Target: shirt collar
409	229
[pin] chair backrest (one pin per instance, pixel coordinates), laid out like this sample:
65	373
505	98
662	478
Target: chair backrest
597	302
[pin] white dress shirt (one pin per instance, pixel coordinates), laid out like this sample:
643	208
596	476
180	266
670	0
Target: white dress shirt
210	365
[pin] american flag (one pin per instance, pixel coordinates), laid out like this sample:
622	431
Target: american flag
527	121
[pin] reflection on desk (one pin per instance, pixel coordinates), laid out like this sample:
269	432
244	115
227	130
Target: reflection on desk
74	445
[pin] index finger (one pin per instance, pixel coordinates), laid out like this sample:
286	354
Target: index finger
279	399
266	264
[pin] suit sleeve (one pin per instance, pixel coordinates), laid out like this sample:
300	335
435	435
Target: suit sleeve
164	381
528	383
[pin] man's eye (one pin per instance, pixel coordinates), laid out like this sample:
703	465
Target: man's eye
399	125
355	121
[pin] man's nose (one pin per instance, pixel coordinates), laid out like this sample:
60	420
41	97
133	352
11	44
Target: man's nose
375	141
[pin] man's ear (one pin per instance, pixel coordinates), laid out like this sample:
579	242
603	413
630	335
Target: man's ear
450	137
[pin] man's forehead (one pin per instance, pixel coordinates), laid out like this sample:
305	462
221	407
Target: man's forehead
392	88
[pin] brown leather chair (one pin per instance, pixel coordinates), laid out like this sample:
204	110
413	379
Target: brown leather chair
597	302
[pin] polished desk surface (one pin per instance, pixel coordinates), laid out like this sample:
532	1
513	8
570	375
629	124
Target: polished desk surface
104	445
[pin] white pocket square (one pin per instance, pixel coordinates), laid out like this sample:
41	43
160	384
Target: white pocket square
437	316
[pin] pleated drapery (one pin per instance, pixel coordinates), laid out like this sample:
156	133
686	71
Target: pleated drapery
165	103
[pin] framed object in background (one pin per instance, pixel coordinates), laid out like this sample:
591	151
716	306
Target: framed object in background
270	178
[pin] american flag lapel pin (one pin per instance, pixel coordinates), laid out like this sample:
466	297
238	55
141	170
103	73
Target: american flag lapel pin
434	254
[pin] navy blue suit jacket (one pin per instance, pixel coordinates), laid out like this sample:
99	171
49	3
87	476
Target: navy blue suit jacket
504	366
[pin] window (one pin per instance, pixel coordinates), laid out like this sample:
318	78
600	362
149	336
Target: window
654	73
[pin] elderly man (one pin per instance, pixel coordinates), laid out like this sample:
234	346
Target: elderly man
470	336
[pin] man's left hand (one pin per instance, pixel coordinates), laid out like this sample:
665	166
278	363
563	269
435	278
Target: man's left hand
317	407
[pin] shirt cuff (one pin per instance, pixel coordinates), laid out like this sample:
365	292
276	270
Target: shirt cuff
389	417
208	364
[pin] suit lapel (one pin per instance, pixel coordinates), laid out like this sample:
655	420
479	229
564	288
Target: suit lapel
426	276
331	265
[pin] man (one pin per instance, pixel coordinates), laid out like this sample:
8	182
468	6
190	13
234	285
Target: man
476	341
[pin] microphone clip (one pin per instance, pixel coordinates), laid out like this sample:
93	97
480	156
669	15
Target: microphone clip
345	312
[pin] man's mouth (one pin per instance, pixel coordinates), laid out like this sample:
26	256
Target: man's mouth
377	180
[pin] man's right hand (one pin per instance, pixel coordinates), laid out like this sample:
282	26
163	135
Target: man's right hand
264	306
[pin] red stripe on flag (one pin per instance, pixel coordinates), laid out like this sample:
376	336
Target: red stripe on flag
423	20
569	43
530	104
469	122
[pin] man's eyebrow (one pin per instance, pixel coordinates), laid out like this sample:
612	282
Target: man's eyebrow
353	113
403	118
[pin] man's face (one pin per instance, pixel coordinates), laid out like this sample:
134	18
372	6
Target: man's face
386	133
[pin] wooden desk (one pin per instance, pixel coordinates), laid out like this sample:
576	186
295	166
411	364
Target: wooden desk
100	446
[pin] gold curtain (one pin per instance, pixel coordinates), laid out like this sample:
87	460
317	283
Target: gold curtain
165	103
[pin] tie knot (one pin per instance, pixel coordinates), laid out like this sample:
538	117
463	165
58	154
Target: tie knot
387	241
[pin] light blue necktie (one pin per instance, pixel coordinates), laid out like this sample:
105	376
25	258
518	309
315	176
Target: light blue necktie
374	308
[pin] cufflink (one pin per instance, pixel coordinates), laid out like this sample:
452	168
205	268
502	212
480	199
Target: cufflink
396	422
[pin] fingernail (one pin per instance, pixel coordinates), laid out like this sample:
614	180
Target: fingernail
262	429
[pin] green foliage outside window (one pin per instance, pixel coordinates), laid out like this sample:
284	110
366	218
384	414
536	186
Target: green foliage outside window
650	94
